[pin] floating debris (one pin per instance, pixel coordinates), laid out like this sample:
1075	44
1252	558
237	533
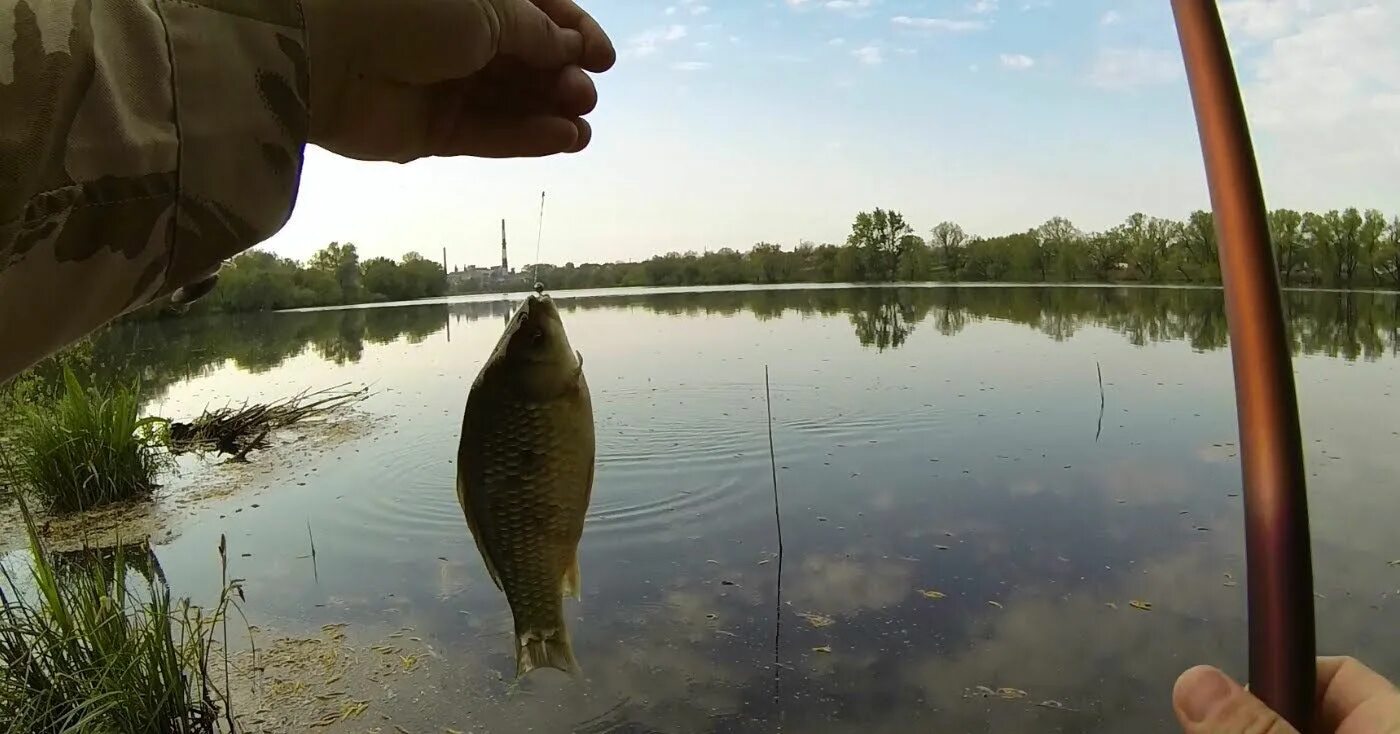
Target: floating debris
930	594
822	649
237	431
817	620
996	604
1141	606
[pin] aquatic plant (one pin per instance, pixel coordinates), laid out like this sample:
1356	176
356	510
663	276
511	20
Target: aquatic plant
86	646
85	449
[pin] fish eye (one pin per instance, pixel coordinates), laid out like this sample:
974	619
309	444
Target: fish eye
537	336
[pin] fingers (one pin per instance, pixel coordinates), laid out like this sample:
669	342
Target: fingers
598	52
1208	702
489	136
528	34
1353	698
507	86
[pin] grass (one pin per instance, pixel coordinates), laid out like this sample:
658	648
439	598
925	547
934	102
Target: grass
89	648
85	449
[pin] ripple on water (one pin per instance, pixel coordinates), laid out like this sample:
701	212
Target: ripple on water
704	464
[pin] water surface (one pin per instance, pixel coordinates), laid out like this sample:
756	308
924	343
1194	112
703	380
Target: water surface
942	440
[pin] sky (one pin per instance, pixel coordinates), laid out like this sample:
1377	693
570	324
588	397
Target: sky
730	122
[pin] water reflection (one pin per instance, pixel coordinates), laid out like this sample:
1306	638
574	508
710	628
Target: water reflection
947	448
1353	325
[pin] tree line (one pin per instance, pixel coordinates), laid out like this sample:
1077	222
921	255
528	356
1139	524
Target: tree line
261	281
1339	249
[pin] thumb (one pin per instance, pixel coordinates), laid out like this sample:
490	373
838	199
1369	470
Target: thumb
528	34
1208	702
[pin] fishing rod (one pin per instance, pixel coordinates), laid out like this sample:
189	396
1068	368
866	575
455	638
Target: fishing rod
1282	642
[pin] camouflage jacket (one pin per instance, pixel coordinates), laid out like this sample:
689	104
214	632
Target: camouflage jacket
141	143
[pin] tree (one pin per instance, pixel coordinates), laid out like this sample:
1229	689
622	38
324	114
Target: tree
950	242
1290	248
1103	251
1388	259
1198	257
422	278
767	264
879	235
915	259
1148	241
1058	240
381	278
343	263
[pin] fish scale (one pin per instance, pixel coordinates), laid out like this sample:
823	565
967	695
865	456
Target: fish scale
525	474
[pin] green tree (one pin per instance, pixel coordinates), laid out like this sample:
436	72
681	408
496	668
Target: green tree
422	278
1149	240
1388	258
1290	245
950	242
1060	244
879	235
1197	259
343	263
382	279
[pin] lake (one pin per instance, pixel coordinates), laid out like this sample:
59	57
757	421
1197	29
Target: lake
964	532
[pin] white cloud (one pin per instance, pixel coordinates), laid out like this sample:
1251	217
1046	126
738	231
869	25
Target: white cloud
1110	18
938	24
869	55
647	42
1261	18
1130	68
671	10
691	65
837	42
1017	61
699	9
981	7
1329	68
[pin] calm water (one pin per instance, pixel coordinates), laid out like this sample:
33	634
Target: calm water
942	440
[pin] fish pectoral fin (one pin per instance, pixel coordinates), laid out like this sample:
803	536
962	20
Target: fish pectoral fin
545	649
570	585
578	373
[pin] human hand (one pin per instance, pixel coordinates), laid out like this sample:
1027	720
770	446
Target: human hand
1352	699
399	80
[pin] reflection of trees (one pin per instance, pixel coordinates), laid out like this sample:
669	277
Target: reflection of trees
886	318
1354	325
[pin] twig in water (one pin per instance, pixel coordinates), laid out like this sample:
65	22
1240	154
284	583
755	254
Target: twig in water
315	574
1101	402
778	522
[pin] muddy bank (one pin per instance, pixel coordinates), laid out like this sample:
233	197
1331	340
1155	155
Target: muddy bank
197	483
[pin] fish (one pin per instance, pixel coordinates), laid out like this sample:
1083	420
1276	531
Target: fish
525	477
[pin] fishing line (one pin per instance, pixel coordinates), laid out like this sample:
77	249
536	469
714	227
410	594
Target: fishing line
539	235
777	521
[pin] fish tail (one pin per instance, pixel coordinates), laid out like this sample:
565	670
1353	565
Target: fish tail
544	648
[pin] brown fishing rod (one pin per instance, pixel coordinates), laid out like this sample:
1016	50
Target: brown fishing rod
1282	666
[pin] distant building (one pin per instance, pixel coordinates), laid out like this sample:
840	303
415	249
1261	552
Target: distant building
473	277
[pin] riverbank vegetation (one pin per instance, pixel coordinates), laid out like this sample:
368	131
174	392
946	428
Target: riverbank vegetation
1337	249
91	641
81	448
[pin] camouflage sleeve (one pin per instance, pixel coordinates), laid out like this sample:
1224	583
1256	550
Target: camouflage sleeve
141	143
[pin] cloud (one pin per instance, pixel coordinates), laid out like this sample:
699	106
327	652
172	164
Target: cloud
1017	61
837	42
1110	18
691	65
1122	69
869	55
1260	18
938	24
647	42
982	7
847	4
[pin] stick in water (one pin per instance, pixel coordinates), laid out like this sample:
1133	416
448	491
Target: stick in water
778	522
1101	403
